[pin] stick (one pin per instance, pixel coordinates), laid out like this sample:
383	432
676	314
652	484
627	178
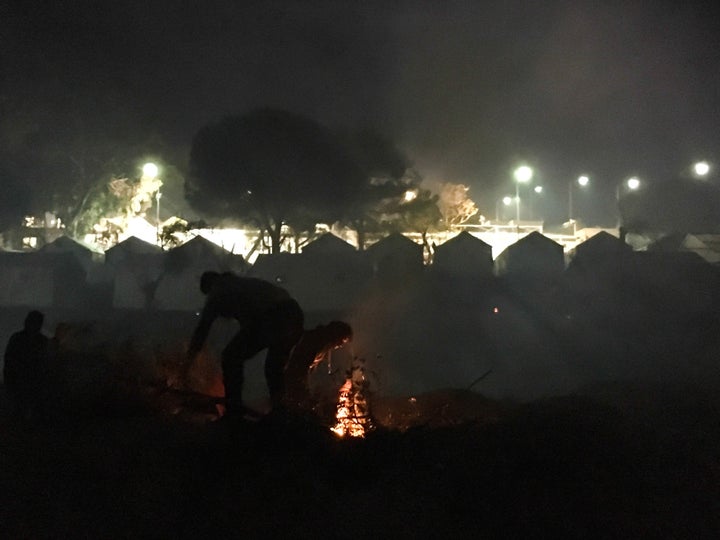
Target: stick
480	378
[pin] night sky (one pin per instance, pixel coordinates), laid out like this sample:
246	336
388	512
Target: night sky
467	88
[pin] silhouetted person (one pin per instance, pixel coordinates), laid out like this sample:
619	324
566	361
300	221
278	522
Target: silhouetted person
314	346
25	363
269	319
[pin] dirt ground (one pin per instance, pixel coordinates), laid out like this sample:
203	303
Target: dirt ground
613	462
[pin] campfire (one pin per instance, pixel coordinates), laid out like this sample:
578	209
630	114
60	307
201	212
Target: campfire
353	417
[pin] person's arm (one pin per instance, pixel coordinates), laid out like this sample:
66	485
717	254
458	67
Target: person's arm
201	332
319	357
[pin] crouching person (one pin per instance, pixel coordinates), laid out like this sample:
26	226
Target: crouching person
314	346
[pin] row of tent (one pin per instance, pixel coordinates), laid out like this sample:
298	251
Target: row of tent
329	274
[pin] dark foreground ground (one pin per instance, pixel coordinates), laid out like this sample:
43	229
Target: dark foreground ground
618	462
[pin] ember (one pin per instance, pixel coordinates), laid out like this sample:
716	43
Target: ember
353	410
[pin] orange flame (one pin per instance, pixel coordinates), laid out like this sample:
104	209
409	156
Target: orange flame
353	411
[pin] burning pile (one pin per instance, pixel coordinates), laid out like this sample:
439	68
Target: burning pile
353	417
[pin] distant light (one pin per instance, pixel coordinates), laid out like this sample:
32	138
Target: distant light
538	189
633	183
523	174
583	180
410	195
701	168
507	200
150	170
496	310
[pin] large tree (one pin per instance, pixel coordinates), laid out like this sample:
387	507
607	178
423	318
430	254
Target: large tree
418	213
270	167
387	177
455	205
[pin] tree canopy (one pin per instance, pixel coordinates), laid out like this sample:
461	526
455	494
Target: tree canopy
387	176
14	200
271	168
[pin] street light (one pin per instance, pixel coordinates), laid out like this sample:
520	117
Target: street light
409	196
538	190
633	183
582	182
150	170
701	169
523	175
507	201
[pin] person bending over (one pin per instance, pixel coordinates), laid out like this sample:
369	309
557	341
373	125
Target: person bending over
269	319
314	346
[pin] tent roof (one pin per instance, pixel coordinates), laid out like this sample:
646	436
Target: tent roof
328	243
394	242
133	244
464	240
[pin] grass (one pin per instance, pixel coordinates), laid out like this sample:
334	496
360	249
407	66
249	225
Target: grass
576	466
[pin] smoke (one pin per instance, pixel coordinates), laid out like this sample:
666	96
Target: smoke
466	88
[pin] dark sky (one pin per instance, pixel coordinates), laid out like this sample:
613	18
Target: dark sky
467	88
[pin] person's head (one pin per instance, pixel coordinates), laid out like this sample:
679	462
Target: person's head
338	333
208	280
34	321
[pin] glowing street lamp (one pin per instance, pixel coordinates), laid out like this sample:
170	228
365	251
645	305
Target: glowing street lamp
701	169
507	201
157	215
410	195
631	184
522	175
150	170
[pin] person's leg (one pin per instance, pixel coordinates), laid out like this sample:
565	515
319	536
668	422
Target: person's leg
286	329
274	374
242	347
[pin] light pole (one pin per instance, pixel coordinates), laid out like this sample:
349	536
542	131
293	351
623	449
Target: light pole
158	195
523	175
538	190
582	182
632	184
